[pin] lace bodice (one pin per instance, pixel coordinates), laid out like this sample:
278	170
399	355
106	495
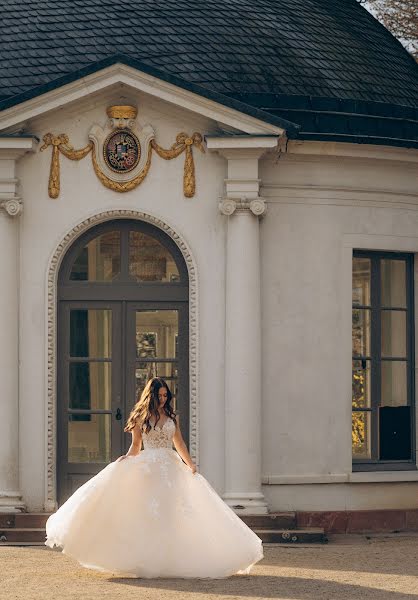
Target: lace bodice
160	437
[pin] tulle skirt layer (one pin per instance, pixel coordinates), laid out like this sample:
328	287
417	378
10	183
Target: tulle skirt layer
149	516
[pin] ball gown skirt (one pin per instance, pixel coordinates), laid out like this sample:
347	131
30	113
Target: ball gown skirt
149	516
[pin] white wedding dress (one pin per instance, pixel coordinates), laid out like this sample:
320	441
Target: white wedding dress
149	516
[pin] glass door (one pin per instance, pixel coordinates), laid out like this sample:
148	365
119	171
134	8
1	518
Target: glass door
90	422
155	334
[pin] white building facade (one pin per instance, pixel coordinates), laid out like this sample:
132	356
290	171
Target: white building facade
268	273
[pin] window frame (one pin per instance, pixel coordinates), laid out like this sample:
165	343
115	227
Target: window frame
375	307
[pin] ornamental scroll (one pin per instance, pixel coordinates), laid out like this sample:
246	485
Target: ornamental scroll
122	152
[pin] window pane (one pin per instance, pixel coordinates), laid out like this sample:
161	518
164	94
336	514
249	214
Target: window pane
393	383
393	333
361	280
99	260
395	433
156	333
361	434
89	441
393	282
91	333
149	260
90	385
168	371
361	332
361	384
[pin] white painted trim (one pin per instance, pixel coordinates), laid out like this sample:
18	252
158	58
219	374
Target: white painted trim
240	142
352	150
379	241
18	143
120	73
51	323
358	477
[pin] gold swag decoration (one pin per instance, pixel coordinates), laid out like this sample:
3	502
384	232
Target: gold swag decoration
184	143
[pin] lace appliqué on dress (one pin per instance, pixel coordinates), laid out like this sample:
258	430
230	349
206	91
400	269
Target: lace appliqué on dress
160	437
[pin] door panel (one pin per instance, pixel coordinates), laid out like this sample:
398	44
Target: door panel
89	435
156	346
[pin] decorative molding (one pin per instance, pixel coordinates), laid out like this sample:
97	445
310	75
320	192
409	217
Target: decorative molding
13	206
11	150
121	120
132	164
53	270
360	152
257	206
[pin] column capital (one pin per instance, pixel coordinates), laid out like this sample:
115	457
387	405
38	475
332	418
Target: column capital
243	153
12	206
256	206
11	149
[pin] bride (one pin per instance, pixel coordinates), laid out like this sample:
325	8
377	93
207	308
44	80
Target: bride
148	513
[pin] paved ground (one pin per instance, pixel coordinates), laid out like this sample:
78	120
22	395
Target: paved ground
348	568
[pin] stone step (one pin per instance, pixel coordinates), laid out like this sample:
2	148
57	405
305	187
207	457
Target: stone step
23	520
22	534
276	528
22	544
278	520
310	535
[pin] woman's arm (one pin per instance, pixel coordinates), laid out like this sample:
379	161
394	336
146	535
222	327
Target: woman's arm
136	443
182	448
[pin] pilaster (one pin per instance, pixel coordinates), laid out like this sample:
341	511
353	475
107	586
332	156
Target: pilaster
243	207
11	149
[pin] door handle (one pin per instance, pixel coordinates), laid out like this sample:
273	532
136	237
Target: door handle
118	415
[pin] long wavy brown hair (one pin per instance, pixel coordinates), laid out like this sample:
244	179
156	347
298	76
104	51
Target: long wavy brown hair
147	406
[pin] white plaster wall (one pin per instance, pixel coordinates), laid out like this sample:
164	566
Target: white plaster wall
319	207
45	222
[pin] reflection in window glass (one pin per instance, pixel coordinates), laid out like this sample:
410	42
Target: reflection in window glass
393	333
99	260
89	441
361	332
394	390
149	260
90	333
156	333
361	434
361	384
90	386
361	280
393	286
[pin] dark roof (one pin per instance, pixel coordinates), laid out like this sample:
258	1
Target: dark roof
319	63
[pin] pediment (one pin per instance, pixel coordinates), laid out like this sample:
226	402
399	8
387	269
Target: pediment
228	113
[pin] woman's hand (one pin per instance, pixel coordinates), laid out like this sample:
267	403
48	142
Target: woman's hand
193	468
121	458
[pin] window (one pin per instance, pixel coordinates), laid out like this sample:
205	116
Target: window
383	361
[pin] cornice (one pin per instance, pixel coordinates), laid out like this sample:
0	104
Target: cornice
351	150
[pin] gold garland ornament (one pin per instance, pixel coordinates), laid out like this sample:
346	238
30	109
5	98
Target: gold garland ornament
60	143
184	143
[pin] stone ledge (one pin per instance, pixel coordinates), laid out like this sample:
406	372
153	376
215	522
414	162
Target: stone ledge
357	477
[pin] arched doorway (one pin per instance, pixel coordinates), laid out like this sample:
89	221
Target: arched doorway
122	317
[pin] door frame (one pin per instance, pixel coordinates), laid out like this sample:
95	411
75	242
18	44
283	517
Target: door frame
51	293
